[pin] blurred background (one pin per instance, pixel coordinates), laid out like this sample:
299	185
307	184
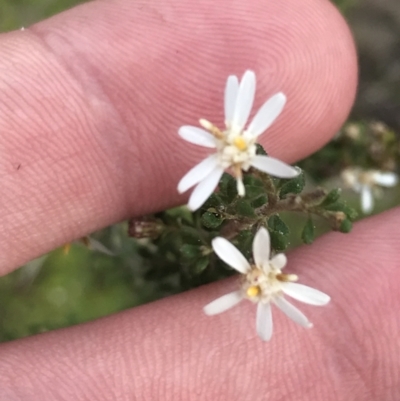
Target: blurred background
71	286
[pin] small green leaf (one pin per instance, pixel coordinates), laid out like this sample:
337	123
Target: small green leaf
253	191
214	201
201	264
260	150
279	241
227	187
190	234
293	186
244	208
350	212
211	220
346	226
249	179
340	206
275	223
190	253
308	233
260	201
332	197
244	242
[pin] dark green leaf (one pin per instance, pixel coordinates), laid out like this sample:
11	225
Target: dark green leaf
279	241
190	234
201	264
214	201
253	191
275	223
190	253
211	220
244	208
346	226
332	197
260	150
244	242
249	179
260	201
340	206
293	186
308	233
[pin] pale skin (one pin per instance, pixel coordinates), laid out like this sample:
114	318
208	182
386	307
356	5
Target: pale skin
90	104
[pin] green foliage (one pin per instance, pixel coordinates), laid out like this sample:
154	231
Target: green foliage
308	233
293	186
211	220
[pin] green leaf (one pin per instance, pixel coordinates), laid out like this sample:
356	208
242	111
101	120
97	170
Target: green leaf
244	208
244	242
190	234
275	223
260	150
279	241
214	201
249	179
201	264
260	201
190	253
346	226
293	186
253	191
211	220
350	212
308	233
227	188
340	206
332	197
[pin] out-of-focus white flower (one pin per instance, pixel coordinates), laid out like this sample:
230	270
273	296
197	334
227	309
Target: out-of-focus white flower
264	284
235	146
368	183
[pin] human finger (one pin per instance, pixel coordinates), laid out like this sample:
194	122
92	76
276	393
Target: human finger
91	101
170	350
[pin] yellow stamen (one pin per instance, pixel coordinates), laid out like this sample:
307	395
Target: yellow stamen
240	143
253	291
287	277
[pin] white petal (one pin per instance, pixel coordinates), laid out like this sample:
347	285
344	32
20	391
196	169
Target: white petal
305	294
264	322
230	255
367	200
244	101
279	261
197	173
261	247
223	303
386	179
292	312
197	136
267	114
205	188
240	187
274	167
231	91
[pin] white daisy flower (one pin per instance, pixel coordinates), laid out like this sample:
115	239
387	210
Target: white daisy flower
367	183
264	284
235	146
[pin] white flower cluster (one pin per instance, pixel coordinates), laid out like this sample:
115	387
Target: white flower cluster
368	183
235	146
263	283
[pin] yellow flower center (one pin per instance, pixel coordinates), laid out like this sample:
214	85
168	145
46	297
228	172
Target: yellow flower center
240	143
253	291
